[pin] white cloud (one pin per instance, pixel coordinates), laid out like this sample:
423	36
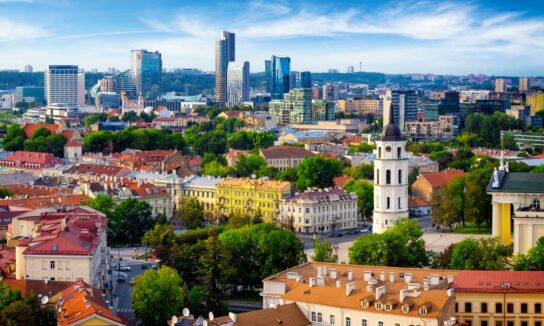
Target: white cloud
11	30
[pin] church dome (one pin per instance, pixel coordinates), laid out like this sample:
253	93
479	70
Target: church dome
391	133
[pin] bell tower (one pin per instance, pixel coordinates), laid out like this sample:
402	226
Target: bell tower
390	177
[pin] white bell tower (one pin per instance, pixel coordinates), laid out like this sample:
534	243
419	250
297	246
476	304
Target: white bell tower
390	178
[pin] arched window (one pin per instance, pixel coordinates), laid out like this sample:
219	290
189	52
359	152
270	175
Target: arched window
388	203
400	176
379	152
399	150
399	204
535	204
377	176
388	177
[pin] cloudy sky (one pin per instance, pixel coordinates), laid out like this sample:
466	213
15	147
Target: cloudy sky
444	37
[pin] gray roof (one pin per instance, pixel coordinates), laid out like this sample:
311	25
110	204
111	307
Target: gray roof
198	181
518	182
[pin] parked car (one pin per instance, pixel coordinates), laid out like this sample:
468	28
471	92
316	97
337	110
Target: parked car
123	268
121	279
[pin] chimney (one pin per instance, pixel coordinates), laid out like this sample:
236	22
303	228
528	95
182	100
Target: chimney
350	275
333	273
338	284
319	271
392	277
403	294
232	316
450	292
349	288
312	282
380	291
382	276
369	288
367	275
408	277
450	278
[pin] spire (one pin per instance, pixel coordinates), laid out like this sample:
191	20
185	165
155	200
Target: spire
391	115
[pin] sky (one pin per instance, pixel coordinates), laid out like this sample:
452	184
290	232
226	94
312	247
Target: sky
493	37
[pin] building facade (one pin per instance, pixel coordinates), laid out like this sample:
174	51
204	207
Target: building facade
279	70
237	83
323	111
283	157
61	84
295	108
146	68
224	53
404	107
320	210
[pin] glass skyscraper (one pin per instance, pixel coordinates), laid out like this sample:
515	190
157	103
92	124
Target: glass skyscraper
61	84
237	83
301	79
279	76
146	68
224	53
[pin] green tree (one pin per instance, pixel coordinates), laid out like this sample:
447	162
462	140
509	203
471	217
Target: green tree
444	158
538	169
214	273
18	313
365	195
192	213
195	299
98	142
41	132
317	171
130	220
4	192
215	168
157	296
533	260
247	166
7	296
448	205
324	251
102	203
481	254
363	171
289	174
162	239
14	138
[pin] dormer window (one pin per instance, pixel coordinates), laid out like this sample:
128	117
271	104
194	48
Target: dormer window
378	306
405	309
423	311
388	307
364	304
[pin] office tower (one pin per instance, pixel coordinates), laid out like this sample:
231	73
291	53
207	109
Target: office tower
295	108
316	93
125	84
108	100
450	103
268	75
351	69
523	84
108	84
301	79
500	85
224	53
146	69
404	107
29	94
280	75
29	68
322	111
81	88
333	71
330	92
61	84
237	83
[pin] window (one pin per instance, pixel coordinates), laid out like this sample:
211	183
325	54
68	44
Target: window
400	176
388	203
388	177
378	306
510	308
510	323
365	304
498	308
535	204
364	322
484	307
468	307
319	317
483	323
422	311
348	321
398	203
399	150
380	323
52	265
379	152
538	308
44	265
332	319
405	309
538	323
377	176
498	323
388	307
314	316
388	149
524	308
524	323
456	307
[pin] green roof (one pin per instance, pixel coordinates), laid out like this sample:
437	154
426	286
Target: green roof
518	182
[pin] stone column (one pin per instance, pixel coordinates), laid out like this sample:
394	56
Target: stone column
495	220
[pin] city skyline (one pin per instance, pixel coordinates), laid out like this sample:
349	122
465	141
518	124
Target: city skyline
442	37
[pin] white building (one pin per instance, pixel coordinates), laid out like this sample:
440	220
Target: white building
237	83
62	84
81	88
471	96
320	210
390	178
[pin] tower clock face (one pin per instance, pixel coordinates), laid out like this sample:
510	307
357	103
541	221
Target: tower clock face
388	149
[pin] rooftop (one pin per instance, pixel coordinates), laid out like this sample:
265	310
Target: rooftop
254	183
518	182
440	179
279	152
499	281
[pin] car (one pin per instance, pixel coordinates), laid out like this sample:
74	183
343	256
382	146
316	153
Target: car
330	234
121	279
124	268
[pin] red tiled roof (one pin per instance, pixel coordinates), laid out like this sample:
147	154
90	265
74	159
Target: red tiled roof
35	191
46	201
68	134
279	152
36	286
499	281
73	143
340	181
538	156
440	179
99	170
29	128
415	202
28	159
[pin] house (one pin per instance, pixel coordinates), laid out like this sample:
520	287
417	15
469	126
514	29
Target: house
30	128
233	154
419	207
204	188
43	202
25	190
305	137
87	172
231	115
30	161
283	157
429	184
162	161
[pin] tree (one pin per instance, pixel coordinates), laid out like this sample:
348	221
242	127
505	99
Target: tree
317	171
195	299
533	260
442	260
289	174
162	239
7	296
157	296
214	274
129	222
448	205
14	138
324	252
444	158
102	203
18	313
192	213
365	195
4	192
363	171
481	254
41	132
215	168
538	169
247	166
98	142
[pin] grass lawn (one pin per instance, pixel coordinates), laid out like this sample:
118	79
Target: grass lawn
247	296
471	229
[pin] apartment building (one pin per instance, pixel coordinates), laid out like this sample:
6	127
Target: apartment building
204	188
283	157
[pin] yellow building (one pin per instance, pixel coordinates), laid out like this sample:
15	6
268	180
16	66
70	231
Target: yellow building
499	298
358	105
248	196
536	102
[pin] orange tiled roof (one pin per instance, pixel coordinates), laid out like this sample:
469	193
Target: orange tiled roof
36	286
341	181
499	281
31	160
414	202
440	179
30	128
36	191
45	201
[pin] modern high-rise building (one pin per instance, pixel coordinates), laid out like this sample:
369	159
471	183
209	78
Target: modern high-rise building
295	108
280	76
81	88
322	111
301	79
268	75
146	69
330	92
29	68
500	85
237	83
351	69
29	94
404	107
224	53
523	84
61	84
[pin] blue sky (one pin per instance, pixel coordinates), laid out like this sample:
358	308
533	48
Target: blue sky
444	37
